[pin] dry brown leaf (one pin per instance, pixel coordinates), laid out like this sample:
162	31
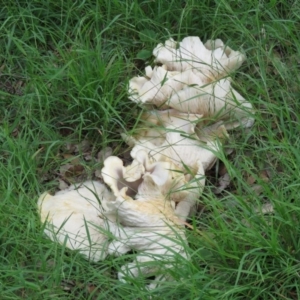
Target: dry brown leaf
63	169
251	179
73	160
88	156
69	171
98	173
222	169
62	184
83	146
103	154
74	171
64	131
266	208
15	132
264	175
270	173
223	182
91	288
44	176
70	148
68	285
257	189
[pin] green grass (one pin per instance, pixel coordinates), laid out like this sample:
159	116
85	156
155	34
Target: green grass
64	69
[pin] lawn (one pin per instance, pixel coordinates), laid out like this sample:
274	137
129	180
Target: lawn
64	69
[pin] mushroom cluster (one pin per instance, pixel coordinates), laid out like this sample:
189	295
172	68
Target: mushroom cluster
192	106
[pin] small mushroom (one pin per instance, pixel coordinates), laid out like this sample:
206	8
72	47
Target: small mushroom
194	188
227	60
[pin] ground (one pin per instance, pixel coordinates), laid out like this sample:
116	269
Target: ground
64	68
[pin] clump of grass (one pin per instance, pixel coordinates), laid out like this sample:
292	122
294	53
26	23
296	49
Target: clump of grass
66	65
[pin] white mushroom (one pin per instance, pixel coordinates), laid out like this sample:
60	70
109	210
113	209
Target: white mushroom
217	100
192	80
193	189
190	160
170	180
116	176
227	59
179	185
73	218
151	228
155	124
181	146
212	60
171	150
90	219
184	155
161	85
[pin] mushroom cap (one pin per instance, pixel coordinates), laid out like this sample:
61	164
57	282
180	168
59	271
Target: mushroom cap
208	100
150	209
172	118
181	57
160	86
155	124
116	176
228	60
212	59
185	150
194	189
192	80
217	100
165	175
72	218
112	173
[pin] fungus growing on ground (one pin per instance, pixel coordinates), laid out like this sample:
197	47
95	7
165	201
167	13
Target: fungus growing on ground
194	79
116	176
116	225
182	188
174	146
183	153
72	218
150	227
181	145
212	59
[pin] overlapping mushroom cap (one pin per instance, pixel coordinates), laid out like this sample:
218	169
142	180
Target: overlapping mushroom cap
175	144
116	176
151	227
194	79
180	144
72	218
165	175
212	59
